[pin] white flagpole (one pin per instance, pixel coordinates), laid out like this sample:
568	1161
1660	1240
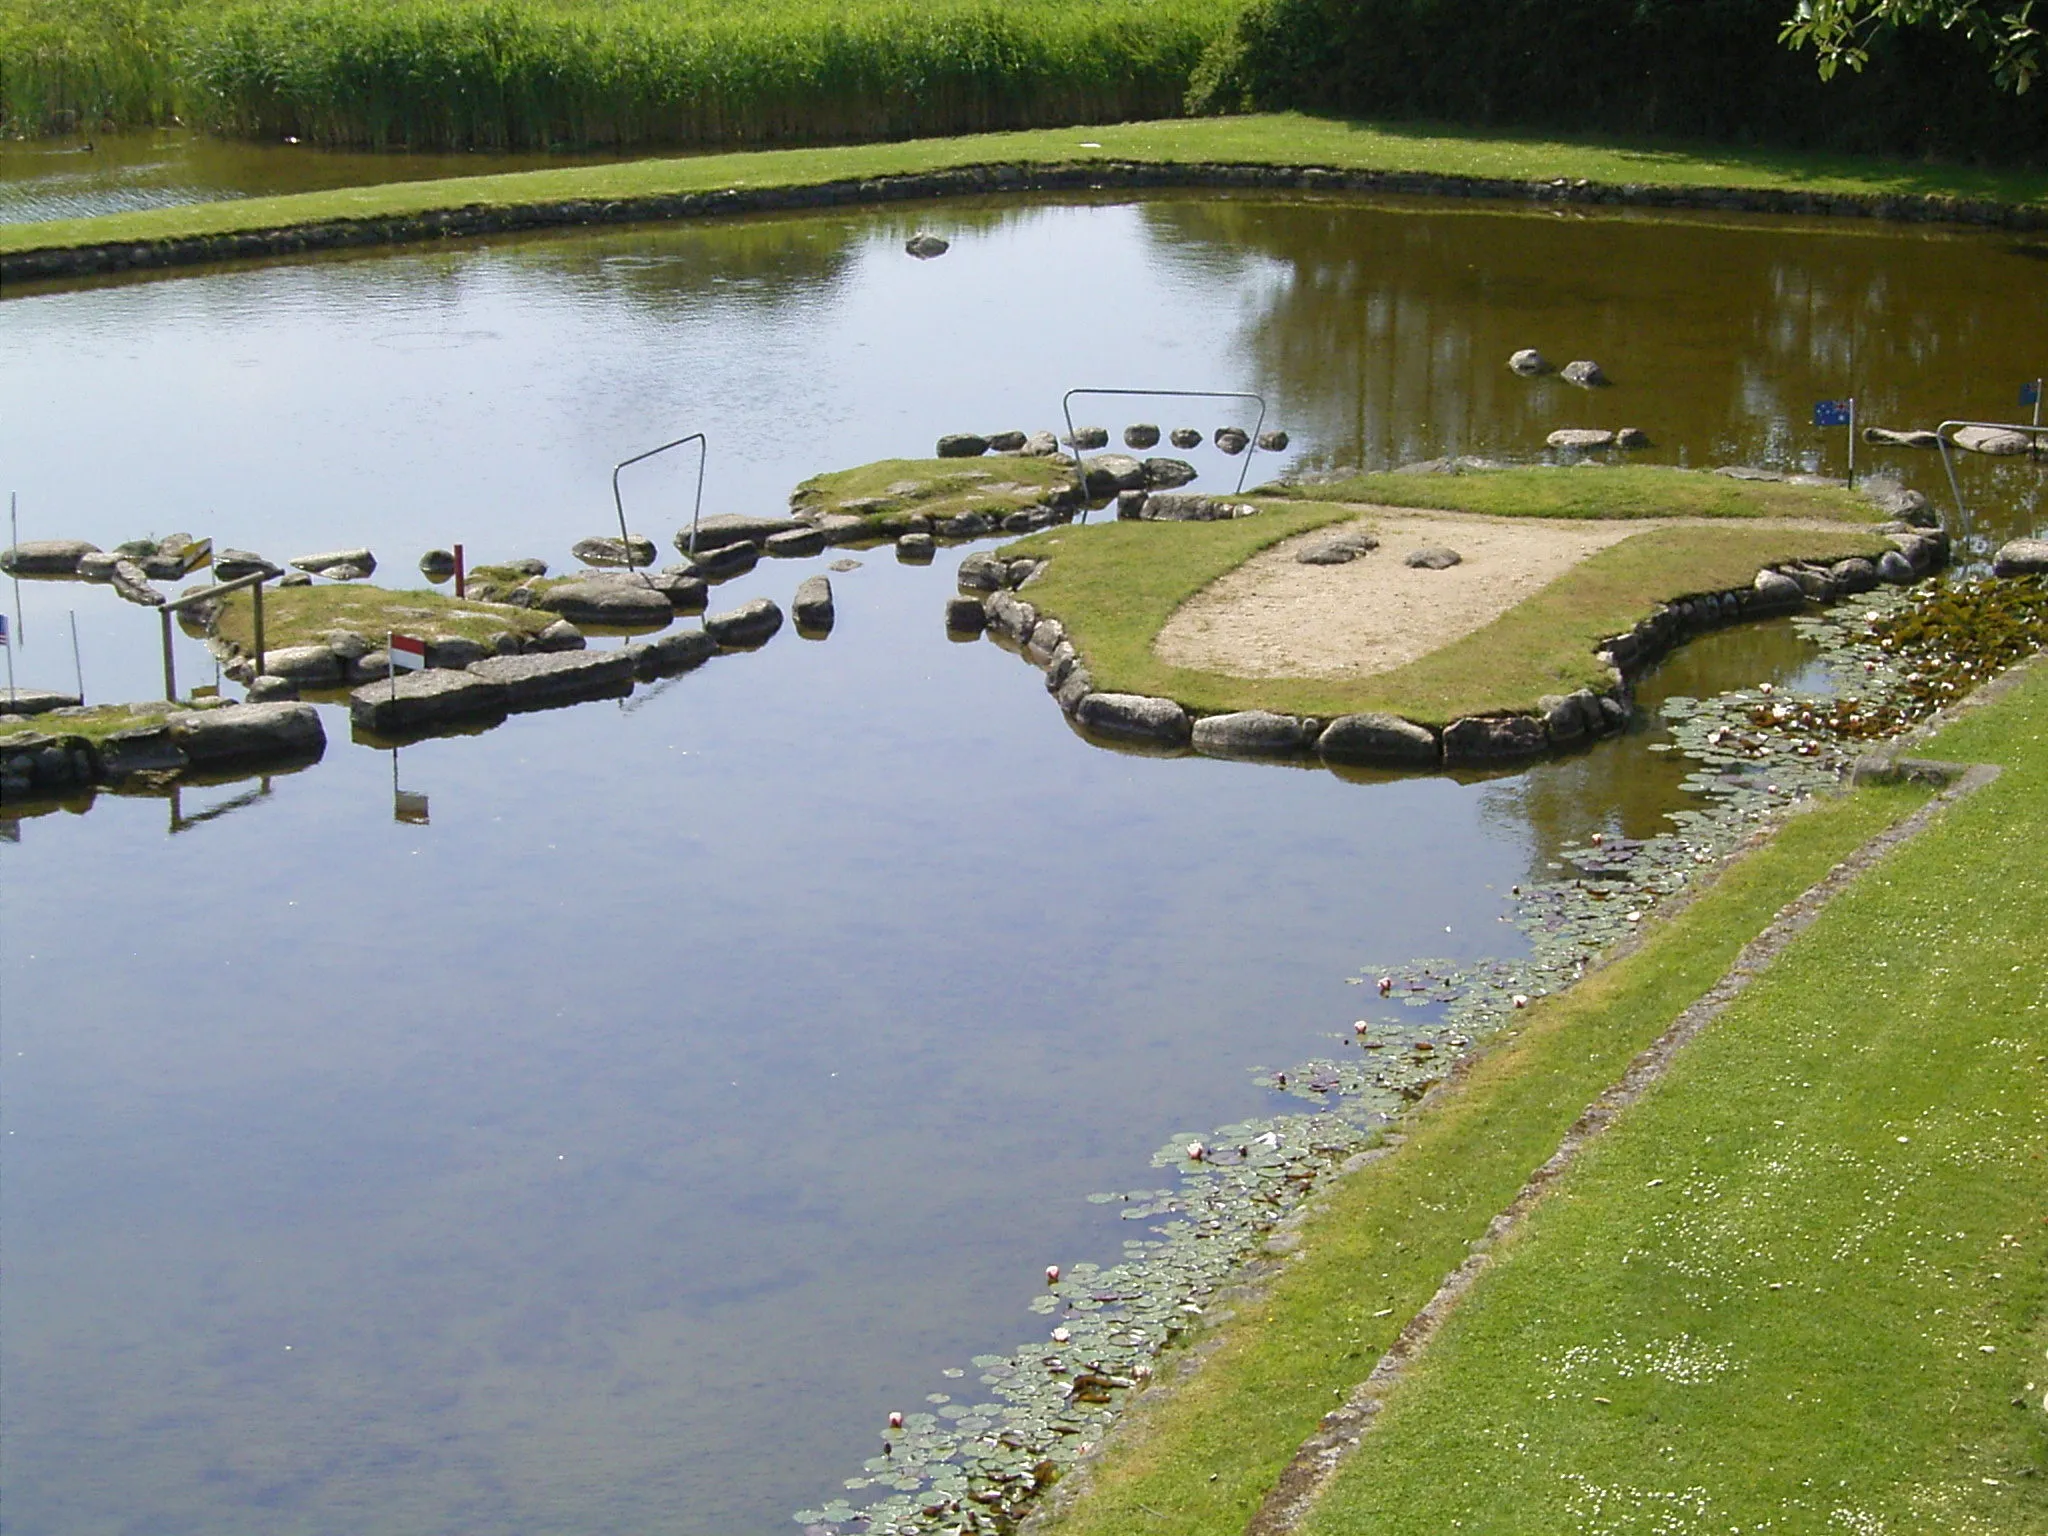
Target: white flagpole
1852	442
77	666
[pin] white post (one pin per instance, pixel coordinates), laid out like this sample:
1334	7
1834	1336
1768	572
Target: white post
1852	442
77	666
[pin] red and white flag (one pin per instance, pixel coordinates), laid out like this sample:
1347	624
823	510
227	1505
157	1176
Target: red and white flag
407	653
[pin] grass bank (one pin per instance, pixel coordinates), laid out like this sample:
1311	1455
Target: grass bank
1803	1284
1115	585
1197	1460
1620	493
1275	139
542	74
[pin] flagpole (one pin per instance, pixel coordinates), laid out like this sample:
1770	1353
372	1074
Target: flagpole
1852	442
14	538
12	693
391	672
77	666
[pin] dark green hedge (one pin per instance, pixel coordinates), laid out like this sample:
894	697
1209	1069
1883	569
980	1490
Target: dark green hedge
1708	69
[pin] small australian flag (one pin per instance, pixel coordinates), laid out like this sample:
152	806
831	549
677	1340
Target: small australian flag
1831	413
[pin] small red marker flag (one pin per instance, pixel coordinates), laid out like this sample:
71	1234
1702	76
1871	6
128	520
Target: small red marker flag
407	654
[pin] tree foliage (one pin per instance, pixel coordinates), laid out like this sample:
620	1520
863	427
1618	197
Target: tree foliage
1840	32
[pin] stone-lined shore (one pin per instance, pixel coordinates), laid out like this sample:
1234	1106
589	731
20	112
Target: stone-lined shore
990	586
59	262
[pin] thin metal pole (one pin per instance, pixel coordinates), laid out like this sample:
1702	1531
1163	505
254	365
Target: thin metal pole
1251	448
257	590
697	512
170	667
1852	442
10	660
77	666
461	575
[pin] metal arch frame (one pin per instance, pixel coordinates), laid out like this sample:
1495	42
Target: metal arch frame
696	513
1081	473
2035	431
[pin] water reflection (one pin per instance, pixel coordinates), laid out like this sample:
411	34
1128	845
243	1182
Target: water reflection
612	1152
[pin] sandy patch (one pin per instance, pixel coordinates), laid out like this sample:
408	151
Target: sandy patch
1275	617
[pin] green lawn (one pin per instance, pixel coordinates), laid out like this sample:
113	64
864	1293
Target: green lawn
1198	1459
1801	1285
1115	585
1267	139
1621	492
306	615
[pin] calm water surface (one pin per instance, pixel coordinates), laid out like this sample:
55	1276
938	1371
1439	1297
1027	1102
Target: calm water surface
612	1153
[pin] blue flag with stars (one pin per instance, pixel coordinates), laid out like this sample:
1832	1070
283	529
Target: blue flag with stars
1831	413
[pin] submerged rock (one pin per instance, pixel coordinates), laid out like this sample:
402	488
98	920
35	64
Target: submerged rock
1583	372
1888	437
1528	363
924	245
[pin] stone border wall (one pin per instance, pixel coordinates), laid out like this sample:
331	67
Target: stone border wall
58	262
1553	725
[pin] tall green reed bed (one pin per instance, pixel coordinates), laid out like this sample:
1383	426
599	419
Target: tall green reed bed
531	74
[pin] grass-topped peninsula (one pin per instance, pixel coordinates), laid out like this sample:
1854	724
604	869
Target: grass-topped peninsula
308	615
1115	586
1276	139
890	490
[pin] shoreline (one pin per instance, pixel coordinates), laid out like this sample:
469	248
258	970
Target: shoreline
1225	154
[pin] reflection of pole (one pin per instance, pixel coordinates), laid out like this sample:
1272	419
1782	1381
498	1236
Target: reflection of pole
170	667
14	538
257	592
77	666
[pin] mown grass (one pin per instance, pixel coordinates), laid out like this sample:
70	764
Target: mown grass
539	74
1802	1285
1270	139
1198	1459
1620	492
307	615
93	723
1114	586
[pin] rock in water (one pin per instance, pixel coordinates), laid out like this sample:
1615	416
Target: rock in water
1248	733
1377	739
812	607
1232	440
1992	440
607	550
1040	445
1007	442
46	557
1273	442
438	565
1108	473
1134	717
795	542
1631	437
1185	437
130	582
1583	372
1141	435
1165	474
1435	558
620	601
916	548
750	624
2021	557
1089	437
1529	363
924	245
320	564
965	616
1580	439
962	445
1888	437
1777	590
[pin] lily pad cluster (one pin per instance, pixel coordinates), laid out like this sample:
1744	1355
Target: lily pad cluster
976	1467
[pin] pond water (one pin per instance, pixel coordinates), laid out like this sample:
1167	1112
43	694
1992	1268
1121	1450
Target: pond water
75	178
612	1153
